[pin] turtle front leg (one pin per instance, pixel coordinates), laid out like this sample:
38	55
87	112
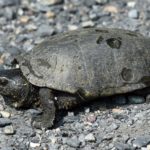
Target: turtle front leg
46	119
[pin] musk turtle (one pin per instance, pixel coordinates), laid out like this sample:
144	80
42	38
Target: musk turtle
78	66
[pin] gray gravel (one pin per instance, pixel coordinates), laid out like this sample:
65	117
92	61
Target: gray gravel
9	2
123	124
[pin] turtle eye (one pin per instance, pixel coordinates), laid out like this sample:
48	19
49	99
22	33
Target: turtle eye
3	80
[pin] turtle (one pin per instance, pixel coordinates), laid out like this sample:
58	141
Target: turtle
75	67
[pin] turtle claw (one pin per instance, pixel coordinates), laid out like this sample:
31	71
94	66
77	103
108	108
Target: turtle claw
41	121
36	123
46	118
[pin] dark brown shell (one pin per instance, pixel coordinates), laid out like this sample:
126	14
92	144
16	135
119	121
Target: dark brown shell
94	61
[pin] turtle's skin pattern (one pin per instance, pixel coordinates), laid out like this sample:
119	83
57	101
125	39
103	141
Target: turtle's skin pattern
93	62
75	67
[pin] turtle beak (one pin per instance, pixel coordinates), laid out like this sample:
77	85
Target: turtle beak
4	82
7	81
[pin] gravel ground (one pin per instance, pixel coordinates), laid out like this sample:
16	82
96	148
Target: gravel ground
100	125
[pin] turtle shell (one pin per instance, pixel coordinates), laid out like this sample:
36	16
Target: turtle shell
93	61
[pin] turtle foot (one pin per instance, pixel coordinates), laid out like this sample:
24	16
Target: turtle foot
43	121
46	119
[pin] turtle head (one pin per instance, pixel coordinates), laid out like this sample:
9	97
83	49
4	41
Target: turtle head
14	87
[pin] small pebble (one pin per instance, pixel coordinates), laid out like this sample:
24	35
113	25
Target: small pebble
141	141
57	130
24	19
87	110
4	122
50	14
5	114
131	4
50	2
70	114
4	57
108	137
45	30
117	110
114	126
73	142
31	27
91	118
34	145
87	24
81	137
72	27
144	148
10	14
9	130
53	139
39	40
93	16
28	46
148	147
90	138
133	14
122	146
111	9
102	1
20	11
